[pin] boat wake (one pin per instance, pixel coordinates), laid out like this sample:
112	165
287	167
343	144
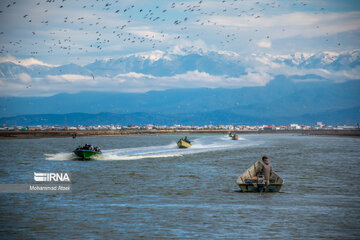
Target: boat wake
199	145
61	156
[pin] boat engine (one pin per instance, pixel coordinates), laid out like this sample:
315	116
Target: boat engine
260	179
261	183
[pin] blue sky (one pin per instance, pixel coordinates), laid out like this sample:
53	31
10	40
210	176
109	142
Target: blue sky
80	27
57	32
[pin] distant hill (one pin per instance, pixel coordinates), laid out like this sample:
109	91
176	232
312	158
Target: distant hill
282	100
349	116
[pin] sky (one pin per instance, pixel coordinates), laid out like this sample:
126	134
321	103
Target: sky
59	32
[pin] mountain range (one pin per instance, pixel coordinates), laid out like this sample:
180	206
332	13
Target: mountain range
160	64
189	87
282	101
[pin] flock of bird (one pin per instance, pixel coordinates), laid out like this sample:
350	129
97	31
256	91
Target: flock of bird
48	26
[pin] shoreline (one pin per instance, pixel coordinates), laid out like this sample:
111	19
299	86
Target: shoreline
133	132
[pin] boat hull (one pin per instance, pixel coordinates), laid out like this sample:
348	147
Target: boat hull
235	137
183	144
85	154
249	187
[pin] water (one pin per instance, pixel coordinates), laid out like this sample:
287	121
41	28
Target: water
145	187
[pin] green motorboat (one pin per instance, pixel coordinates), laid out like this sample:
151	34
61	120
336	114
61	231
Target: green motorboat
87	151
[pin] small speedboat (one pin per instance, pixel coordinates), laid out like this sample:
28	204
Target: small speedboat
249	181
184	143
235	137
87	151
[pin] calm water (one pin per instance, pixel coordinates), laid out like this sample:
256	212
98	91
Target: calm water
143	187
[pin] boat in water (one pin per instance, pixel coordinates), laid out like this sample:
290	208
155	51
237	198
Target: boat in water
184	143
249	181
87	151
235	137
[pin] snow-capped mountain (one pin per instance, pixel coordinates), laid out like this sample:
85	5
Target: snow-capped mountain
160	70
161	64
158	63
325	60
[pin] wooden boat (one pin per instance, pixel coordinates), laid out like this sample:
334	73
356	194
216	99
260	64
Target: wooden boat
235	137
250	182
87	152
184	143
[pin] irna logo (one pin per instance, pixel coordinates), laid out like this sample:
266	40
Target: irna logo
51	177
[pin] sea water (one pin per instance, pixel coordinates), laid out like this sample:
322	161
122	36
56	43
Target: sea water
145	187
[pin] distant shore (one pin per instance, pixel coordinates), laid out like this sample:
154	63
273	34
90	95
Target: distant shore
129	132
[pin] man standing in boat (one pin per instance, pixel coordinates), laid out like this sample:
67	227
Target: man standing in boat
266	170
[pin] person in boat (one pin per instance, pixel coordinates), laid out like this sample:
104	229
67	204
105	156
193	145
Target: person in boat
187	140
266	170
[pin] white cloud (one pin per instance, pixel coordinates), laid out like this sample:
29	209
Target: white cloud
133	75
306	24
25	62
253	78
336	76
264	44
196	78
135	82
24	78
69	78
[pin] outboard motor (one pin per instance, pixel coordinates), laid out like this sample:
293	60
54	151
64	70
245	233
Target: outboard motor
260	183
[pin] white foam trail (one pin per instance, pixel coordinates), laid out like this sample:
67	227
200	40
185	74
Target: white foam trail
134	157
199	145
169	150
60	156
